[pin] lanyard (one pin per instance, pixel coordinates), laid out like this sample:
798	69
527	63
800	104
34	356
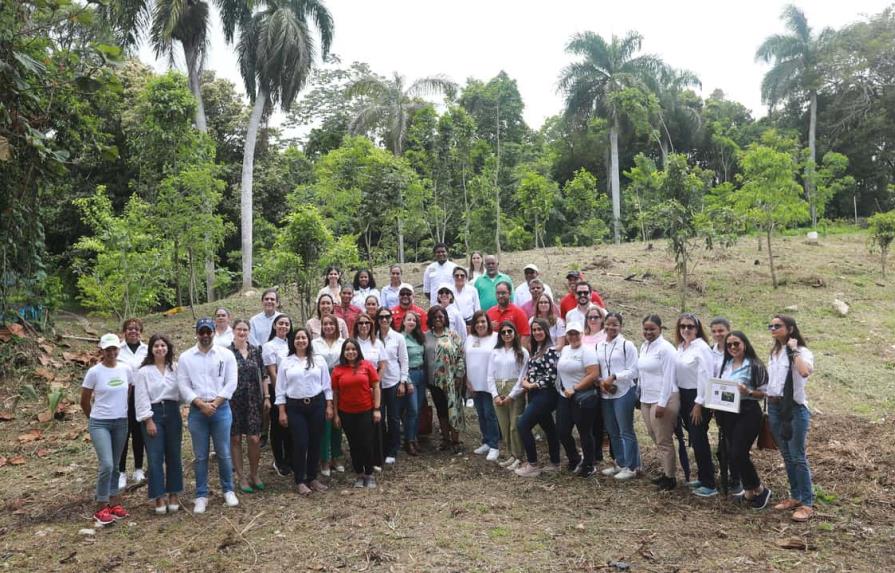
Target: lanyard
606	358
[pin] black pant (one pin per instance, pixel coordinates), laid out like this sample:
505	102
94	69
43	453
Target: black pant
728	471
682	448
742	431
439	398
388	431
136	437
359	430
541	404
699	437
280	437
568	412
306	419
599	432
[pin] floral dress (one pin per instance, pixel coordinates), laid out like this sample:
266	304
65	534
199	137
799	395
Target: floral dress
445	367
247	402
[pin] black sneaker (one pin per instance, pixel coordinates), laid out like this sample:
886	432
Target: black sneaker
666	483
760	501
585	471
572	466
658	480
282	472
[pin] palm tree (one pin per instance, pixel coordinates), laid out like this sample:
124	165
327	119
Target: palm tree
796	75
670	86
590	84
390	106
276	52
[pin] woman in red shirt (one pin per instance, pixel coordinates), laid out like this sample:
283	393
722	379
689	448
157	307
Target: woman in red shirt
356	400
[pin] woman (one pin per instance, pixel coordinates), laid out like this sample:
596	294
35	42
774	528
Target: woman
506	367
618	371
304	399
476	266
104	401
272	353
544	309
660	400
364	286
693	367
355	385
455	317
371	305
539	384
370	345
223	332
445	369
394	382
594	332
741	429
157	399
479	346
790	365
415	395
249	404
329	346
466	297
577	373
332	283
325	307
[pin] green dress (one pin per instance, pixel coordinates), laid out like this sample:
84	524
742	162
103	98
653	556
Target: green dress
445	365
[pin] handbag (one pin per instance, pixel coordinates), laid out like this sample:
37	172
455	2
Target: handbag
586	398
765	436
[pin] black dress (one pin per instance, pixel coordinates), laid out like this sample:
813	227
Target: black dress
247	402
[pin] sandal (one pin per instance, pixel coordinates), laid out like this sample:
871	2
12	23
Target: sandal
302	489
258	485
245	487
787	504
803	514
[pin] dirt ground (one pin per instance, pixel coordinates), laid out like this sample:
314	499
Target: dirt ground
443	512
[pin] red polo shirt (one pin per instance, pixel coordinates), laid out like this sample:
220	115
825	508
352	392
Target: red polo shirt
512	313
354	386
349	316
398	317
570	301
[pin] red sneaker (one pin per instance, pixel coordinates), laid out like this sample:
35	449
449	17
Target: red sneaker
104	516
118	511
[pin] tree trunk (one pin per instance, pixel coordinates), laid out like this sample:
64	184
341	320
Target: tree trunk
684	280
245	196
616	194
771	259
175	256
812	161
497	185
465	208
883	254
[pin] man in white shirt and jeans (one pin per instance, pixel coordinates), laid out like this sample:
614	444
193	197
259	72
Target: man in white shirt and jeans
438	273
206	376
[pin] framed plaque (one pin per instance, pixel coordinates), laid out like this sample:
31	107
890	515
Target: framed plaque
723	395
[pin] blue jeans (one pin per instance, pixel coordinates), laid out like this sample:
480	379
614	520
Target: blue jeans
165	463
484	408
410	405
216	427
793	451
539	411
618	417
108	438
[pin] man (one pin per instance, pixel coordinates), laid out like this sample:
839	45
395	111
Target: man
346	310
720	327
583	297
487	283
570	301
261	323
388	296
505	310
206	377
536	287
465	296
132	352
522	294
438	273
404	305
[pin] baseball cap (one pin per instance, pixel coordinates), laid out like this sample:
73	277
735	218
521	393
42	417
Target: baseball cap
530	267
574	326
109	340
446	287
573	275
407	288
205	322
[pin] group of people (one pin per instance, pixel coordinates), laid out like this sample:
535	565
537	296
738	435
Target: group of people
365	365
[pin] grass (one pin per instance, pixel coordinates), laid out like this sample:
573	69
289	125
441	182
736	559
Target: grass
459	513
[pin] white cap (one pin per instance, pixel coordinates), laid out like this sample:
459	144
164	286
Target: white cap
530	267
404	287
576	326
109	340
448	287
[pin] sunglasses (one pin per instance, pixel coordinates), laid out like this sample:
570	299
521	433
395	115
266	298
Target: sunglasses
583	293
506	331
688	327
733	344
364	323
775	326
594	318
384	317
459	276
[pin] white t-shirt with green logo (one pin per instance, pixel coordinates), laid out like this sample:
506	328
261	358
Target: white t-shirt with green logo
109	387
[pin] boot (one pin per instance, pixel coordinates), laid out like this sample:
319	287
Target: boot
445	428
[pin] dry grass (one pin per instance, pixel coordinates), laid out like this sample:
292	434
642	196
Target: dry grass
458	513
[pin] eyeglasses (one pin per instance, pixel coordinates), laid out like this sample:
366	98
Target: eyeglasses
364	323
384	317
403	294
594	318
774	326
506	331
733	344
688	327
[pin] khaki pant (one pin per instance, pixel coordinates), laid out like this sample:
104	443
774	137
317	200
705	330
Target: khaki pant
661	431
506	419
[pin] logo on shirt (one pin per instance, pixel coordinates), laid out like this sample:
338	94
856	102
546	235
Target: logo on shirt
115	382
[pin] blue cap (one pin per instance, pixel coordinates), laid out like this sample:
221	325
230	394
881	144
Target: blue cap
205	323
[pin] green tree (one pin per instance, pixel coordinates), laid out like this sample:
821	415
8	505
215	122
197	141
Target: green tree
592	86
769	196
536	195
584	210
276	52
796	75
881	228
679	107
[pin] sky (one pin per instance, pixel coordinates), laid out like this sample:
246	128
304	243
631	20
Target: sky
478	38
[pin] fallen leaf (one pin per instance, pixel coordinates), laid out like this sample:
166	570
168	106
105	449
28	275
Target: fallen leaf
16	460
791	543
5	335
16	329
30	436
2	461
47	347
43	418
42	453
6	417
73	435
44	360
45	374
78	357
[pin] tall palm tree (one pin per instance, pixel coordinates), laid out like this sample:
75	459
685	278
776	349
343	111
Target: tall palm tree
390	105
670	86
276	52
605	69
796	75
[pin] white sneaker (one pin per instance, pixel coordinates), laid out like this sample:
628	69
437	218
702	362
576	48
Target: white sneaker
326	472
122	481
230	499
470	403
377	468
201	503
611	470
482	450
528	470
507	462
493	454
625	474
389	461
139	476
516	463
